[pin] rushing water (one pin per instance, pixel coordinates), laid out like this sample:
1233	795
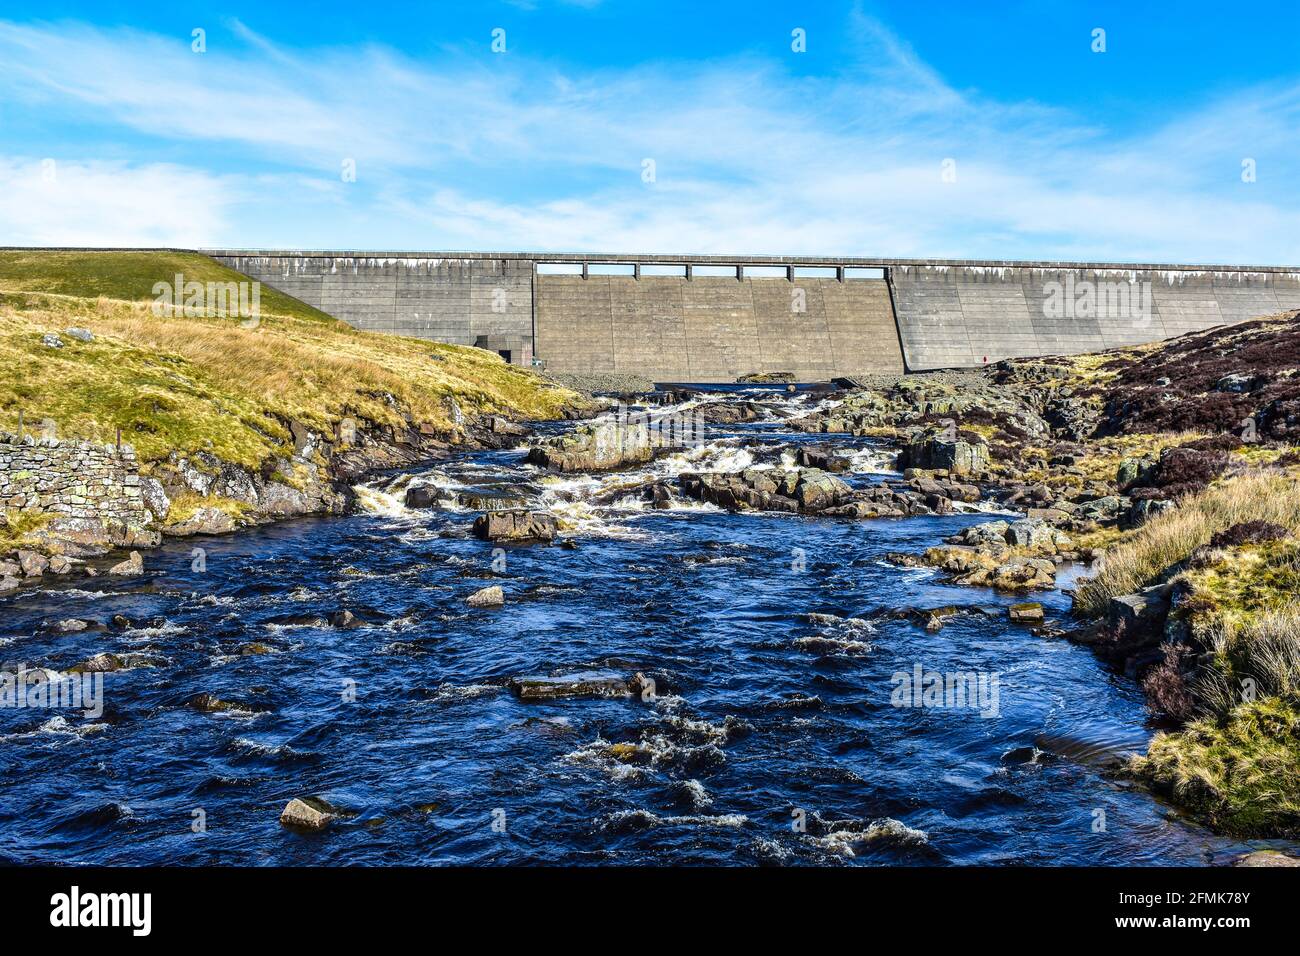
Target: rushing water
771	737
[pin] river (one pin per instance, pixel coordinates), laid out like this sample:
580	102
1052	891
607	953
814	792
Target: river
770	738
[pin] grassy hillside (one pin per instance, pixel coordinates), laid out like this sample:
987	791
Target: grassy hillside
190	384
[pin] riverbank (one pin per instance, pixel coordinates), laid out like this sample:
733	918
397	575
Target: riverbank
211	418
1175	468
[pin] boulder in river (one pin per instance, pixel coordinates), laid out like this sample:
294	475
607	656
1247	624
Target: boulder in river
1267	858
1025	612
210	704
425	496
823	458
300	813
109	662
132	566
344	619
516	526
604	445
491	501
487	597
806	490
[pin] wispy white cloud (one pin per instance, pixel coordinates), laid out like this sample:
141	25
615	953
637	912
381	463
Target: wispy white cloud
478	151
54	202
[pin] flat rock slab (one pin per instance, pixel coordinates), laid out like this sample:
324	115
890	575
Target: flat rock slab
579	684
299	813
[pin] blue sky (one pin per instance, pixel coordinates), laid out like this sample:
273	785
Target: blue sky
904	129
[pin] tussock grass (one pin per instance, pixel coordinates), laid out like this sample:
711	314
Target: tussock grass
1169	538
1240	773
191	384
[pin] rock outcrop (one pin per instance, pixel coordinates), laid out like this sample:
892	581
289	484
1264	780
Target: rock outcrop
516	526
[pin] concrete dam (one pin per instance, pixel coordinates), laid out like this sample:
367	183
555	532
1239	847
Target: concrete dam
715	318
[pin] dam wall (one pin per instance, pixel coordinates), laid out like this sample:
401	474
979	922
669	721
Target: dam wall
960	316
443	298
716	328
715	318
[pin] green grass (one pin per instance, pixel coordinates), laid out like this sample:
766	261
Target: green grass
129	276
208	383
1240	774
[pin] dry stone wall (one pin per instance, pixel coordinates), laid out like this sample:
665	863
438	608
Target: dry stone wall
71	479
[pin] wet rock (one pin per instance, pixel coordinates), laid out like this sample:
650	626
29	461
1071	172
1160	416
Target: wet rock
817	490
109	662
425	496
132	566
120	621
1025	612
206	703
595	683
59	565
516	526
731	413
658	495
344	620
301	814
8	583
935	618
788	490
822	458
71	626
487	597
255	648
602	446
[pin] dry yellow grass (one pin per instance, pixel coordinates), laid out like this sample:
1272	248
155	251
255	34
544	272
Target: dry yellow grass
190	384
1170	538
